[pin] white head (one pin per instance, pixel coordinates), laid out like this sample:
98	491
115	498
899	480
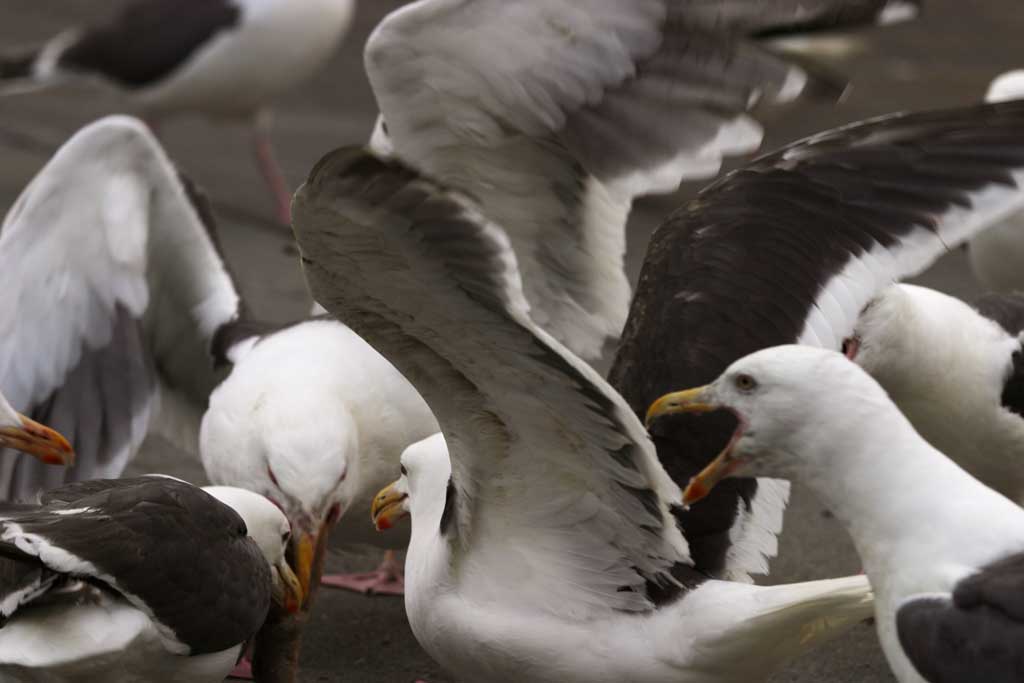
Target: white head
793	405
24	434
1008	86
421	490
269	528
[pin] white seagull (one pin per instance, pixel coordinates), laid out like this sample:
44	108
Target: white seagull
223	59
125	306
549	549
138	579
997	255
554	115
944	553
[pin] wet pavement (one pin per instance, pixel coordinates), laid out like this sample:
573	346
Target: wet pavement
947	58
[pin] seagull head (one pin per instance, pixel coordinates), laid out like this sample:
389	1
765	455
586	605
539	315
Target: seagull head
269	528
301	454
793	404
420	491
26	435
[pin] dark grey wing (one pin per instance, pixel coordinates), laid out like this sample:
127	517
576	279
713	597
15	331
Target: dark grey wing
169	547
148	40
974	636
790	249
1008	311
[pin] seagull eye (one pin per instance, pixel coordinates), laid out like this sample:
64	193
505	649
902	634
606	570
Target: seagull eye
745	383
404	472
270	473
384	127
285	537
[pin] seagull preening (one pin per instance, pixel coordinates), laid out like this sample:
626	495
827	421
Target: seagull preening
138	579
223	59
555	115
549	549
944	553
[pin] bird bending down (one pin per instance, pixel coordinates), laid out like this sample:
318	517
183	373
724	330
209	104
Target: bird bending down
956	372
137	579
548	550
944	553
224	59
573	110
21	433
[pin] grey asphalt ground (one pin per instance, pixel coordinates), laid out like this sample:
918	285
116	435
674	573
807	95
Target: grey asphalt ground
945	59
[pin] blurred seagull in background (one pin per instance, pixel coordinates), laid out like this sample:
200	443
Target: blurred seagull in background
554	115
223	59
546	548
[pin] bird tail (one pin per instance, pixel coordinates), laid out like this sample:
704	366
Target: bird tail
782	622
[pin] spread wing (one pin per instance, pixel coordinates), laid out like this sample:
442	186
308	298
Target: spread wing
114	291
554	479
791	248
572	109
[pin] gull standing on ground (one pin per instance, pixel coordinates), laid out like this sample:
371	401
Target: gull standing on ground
554	115
223	59
945	554
547	550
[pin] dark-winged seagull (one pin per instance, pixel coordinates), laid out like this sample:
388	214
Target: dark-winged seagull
138	579
224	59
944	553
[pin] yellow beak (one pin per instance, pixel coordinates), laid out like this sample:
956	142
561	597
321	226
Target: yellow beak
388	507
695	401
689	401
288	592
38	440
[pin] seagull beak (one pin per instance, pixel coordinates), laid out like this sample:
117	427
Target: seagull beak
696	401
287	590
689	401
38	440
389	506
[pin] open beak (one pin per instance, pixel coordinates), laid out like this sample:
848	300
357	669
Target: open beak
288	591
695	401
388	506
38	440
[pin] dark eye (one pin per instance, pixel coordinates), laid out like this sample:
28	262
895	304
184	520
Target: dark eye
404	472
270	473
285	537
745	383
384	127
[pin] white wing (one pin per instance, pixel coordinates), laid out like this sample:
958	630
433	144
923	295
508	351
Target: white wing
543	450
113	290
554	114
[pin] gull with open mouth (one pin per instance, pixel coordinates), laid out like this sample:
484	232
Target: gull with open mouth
944	553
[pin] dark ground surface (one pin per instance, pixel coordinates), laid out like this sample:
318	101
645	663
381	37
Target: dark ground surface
945	59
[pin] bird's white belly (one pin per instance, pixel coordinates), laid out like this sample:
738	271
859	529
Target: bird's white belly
110	642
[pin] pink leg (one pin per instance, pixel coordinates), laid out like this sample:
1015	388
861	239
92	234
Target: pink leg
271	170
243	669
387	579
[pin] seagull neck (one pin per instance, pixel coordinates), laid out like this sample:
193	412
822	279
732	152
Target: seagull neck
884	483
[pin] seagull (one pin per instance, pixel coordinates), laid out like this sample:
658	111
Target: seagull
147	578
997	254
127	319
223	59
790	249
956	371
548	549
573	111
943	552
